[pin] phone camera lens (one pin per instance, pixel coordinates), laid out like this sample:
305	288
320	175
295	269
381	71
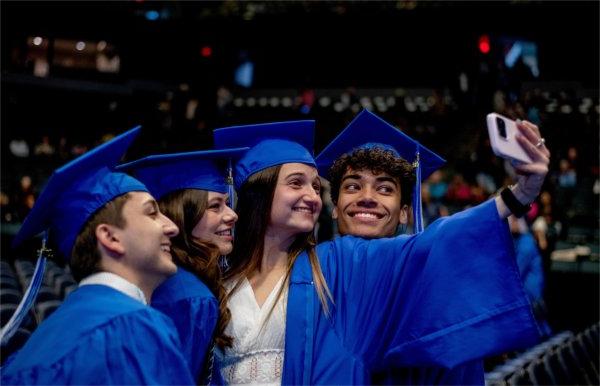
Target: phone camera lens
501	127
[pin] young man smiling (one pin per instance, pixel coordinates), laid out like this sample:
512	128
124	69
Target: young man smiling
372	188
117	242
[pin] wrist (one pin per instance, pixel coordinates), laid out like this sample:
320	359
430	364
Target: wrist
519	194
515	201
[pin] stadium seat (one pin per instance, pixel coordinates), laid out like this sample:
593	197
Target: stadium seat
45	294
12	283
46	308
10	296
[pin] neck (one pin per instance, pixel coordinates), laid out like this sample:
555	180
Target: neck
275	253
144	282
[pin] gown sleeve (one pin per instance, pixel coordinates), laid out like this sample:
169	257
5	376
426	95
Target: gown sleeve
446	296
195	319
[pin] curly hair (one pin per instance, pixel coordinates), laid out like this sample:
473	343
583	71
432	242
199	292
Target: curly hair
377	160
185	208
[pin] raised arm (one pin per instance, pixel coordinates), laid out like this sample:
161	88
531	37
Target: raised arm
531	175
446	296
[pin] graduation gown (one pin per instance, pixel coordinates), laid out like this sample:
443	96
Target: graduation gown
100	336
447	296
194	309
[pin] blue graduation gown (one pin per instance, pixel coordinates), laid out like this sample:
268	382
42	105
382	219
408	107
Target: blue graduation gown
447	296
470	373
194	309
529	262
100	336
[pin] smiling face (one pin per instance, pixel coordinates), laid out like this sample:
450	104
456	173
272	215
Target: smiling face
216	224
146	237
368	205
296	201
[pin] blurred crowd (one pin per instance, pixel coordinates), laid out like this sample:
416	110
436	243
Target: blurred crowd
446	122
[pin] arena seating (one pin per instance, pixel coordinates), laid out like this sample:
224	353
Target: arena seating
57	284
564	359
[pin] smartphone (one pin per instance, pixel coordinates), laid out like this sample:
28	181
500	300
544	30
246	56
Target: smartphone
504	143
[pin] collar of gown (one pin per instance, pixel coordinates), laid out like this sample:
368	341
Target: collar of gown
117	282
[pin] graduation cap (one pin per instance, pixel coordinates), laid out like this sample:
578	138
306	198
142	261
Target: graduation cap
204	170
72	195
271	144
367	130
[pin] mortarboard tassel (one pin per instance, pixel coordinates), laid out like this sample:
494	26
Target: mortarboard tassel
223	263
34	286
417	202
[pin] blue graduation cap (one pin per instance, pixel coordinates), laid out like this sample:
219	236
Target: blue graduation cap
72	195
271	144
204	170
367	130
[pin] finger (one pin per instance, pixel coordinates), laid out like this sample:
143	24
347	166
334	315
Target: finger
533	127
531	169
537	154
529	130
532	132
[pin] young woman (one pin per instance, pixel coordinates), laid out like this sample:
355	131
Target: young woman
191	191
342	311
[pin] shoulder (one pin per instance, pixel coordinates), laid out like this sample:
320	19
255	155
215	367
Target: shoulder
77	336
183	285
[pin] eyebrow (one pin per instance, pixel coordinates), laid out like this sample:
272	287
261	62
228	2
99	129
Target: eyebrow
378	179
296	174
384	179
152	203
219	199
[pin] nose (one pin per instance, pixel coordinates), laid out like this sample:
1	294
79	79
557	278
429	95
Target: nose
366	198
169	227
230	216
313	199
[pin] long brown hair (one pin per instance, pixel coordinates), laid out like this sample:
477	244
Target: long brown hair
185	208
254	203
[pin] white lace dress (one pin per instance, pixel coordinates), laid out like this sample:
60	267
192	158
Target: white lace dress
256	356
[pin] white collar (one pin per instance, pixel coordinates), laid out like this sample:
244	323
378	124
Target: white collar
117	282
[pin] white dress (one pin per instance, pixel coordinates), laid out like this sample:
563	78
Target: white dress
256	356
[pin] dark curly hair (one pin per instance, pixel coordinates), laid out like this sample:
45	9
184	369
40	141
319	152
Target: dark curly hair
377	160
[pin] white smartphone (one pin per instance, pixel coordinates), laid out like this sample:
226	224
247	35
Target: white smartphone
502	133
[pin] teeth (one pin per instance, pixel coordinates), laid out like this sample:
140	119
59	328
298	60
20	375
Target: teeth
225	233
307	210
366	215
165	248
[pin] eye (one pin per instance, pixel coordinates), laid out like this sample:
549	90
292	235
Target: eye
386	189
317	188
351	187
153	213
214	206
295	183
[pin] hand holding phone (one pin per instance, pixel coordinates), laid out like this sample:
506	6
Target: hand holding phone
502	132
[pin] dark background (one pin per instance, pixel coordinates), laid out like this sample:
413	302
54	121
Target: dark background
337	49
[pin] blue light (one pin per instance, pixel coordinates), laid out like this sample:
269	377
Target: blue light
152	15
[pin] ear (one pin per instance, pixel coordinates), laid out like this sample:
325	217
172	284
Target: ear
109	238
404	215
334	213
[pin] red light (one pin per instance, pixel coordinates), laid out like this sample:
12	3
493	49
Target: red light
206	51
484	44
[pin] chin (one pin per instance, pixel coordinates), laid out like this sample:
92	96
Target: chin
225	250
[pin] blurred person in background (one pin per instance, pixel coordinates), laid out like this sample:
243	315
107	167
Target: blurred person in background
531	269
44	148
